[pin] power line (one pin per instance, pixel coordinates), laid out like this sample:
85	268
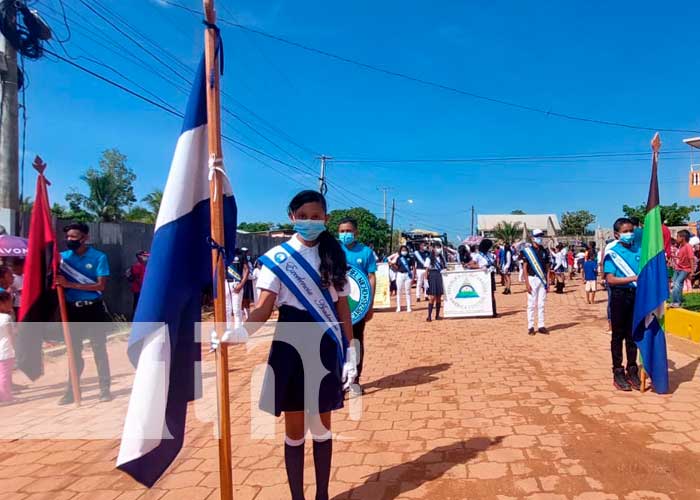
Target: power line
431	83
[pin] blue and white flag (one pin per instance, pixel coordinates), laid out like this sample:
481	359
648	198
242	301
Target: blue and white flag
162	344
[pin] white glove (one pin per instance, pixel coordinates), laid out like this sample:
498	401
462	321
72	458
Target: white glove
239	335
350	368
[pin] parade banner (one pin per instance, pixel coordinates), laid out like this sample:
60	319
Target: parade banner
467	293
382	296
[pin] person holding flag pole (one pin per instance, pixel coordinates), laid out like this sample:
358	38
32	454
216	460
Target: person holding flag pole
652	288
196	224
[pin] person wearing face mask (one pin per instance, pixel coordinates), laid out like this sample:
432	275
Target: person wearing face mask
420	257
135	275
248	292
536	263
621	266
306	278
436	289
363	258
83	274
404	266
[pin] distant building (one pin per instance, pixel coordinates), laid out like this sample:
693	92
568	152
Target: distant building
549	223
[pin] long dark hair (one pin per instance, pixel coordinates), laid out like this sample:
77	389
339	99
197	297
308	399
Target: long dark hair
334	265
464	255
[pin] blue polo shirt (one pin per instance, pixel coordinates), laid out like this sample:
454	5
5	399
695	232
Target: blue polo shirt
590	270
361	257
631	255
84	268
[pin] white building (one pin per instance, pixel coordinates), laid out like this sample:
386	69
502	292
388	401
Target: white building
549	223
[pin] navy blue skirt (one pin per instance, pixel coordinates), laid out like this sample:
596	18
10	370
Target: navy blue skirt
285	386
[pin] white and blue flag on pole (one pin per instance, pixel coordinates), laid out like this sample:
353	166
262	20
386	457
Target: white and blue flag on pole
162	344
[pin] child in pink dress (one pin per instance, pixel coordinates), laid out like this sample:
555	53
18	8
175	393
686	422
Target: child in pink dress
7	351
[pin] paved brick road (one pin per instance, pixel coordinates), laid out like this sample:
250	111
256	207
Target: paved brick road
454	409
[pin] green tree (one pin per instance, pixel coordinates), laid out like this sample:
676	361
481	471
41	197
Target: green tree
370	228
140	214
110	187
26	204
255	227
672	215
517	212
285	226
153	201
575	223
507	232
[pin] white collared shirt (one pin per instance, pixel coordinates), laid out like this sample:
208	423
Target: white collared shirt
267	280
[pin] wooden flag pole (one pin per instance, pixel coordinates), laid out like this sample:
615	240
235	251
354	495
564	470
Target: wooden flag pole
216	190
68	339
39	165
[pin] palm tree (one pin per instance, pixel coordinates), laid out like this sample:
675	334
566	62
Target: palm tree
153	200
508	232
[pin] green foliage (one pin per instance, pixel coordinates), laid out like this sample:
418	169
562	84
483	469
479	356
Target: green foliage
575	223
153	201
507	232
110	188
140	214
254	227
26	204
672	215
517	212
285	226
79	215
370	228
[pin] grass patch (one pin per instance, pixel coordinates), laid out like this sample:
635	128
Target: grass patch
691	302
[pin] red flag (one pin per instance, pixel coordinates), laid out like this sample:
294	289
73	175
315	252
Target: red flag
39	301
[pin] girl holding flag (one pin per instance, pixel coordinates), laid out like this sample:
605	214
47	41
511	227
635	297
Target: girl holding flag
306	279
436	289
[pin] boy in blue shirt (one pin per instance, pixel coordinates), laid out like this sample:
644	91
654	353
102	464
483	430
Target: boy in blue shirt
83	275
590	275
621	265
361	257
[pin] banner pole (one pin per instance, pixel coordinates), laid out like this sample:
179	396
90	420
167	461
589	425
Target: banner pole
216	184
68	339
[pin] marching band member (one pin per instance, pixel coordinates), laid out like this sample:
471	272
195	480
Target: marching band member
535	267
404	266
420	257
306	278
436	288
363	258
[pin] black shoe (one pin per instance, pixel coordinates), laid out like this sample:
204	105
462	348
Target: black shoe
531	331
105	396
67	399
417	300
633	378
429	319
543	330
620	381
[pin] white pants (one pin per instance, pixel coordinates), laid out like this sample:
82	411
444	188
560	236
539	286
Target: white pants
536	299
421	283
233	305
403	284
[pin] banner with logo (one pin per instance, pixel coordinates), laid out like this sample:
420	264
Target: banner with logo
467	293
382	296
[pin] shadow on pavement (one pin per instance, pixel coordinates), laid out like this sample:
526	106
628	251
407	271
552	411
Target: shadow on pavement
400	479
679	376
563	326
407	378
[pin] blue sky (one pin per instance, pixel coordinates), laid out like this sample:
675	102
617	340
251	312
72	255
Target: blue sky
631	62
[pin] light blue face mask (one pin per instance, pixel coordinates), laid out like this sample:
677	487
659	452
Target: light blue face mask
627	238
309	229
346	239
537	240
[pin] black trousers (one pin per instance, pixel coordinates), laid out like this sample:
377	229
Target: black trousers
136	302
97	336
621	317
358	332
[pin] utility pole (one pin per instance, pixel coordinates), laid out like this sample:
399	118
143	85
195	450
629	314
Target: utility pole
385	190
472	220
391	236
9	130
322	186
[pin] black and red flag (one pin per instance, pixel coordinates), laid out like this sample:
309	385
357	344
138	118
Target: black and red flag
39	302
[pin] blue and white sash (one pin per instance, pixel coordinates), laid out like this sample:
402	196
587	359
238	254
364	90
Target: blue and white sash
438	264
404	264
537	266
75	276
305	284
621	264
419	258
